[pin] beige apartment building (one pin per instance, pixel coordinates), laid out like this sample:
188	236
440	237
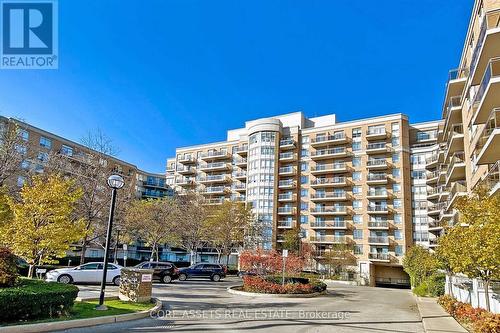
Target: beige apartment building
339	182
468	153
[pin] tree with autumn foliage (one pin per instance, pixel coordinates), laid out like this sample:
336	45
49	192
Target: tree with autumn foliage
226	227
472	247
268	262
43	224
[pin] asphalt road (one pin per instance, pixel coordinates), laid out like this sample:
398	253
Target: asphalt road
205	306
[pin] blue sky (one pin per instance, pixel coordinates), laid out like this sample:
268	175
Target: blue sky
159	74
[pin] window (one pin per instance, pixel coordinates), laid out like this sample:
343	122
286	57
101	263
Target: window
395	158
357	219
304	179
397	203
358	249
66	150
398	250
24	134
20	181
46	143
305	139
356	161
356	132
304	205
303	219
395	141
357	189
396	188
398	234
397	219
304	152
356	146
396	173
357	204
356	175
304	166
418	174
395	129
304	193
25	164
43	156
357	234
21	149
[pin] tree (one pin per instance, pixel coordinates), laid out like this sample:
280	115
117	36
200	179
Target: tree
292	240
420	264
191	226
226	227
43	225
264	262
337	257
473	247
12	148
153	221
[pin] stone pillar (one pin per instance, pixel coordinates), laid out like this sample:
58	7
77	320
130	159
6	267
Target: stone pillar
136	284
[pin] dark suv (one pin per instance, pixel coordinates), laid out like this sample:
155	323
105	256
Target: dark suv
214	272
163	271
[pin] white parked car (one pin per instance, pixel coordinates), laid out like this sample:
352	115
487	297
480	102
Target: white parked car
88	273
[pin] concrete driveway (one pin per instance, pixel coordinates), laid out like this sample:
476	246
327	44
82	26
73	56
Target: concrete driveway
205	306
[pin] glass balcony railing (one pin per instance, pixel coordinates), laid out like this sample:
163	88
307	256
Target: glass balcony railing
372	146
328	224
332	166
492	124
331	151
378	208
492	178
334	180
376	131
492	70
377	193
379	256
324	138
490	21
329	209
376	162
327	195
287	155
378	224
287	142
378	239
377	177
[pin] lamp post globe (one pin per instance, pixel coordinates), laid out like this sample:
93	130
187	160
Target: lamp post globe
116	182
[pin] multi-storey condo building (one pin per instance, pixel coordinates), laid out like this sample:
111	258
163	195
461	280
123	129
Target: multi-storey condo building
468	151
342	183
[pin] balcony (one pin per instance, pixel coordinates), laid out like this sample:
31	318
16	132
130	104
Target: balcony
216	155
214	201
240	175
240	187
241	162
378	240
288	156
492	179
377	164
487	45
186	159
377	194
329	182
486	98
328	239
329	225
213	179
287	170
376	133
184	182
383	257
287	144
329	196
286	224
338	167
287	197
455	140
215	190
432	161
329	153
239	198
452	110
376	148
457	190
329	210
489	140
378	209
186	170
215	166
378	225
456	82
241	150
376	178
434	225
287	210
435	209
287	183
456	168
337	138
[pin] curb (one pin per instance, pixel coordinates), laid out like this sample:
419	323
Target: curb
244	293
76	323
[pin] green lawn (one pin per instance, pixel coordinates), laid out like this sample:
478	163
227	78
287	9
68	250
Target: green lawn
82	310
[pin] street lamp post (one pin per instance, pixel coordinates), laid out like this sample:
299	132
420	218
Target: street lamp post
115	182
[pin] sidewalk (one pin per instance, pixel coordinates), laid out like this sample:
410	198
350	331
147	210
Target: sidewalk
435	319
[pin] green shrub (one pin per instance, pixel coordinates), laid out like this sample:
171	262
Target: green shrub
435	285
30	299
8	268
421	290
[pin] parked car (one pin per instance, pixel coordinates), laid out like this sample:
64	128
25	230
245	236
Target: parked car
214	272
86	273
246	273
166	272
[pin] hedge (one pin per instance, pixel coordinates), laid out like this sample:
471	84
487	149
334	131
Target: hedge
35	299
272	285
